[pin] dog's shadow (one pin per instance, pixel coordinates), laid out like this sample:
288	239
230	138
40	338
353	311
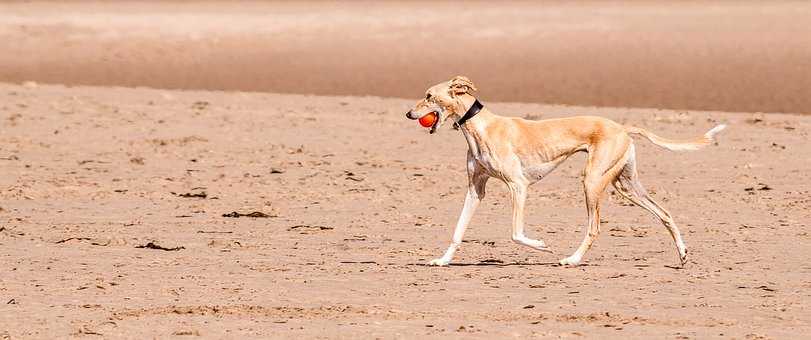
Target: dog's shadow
495	263
503	264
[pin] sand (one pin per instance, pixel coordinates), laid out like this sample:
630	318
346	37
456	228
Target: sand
733	56
220	207
357	199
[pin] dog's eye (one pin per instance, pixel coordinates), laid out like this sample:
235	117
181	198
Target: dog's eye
428	96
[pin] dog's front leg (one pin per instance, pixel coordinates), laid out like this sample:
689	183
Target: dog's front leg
471	202
475	194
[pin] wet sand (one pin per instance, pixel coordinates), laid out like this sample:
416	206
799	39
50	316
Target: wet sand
730	56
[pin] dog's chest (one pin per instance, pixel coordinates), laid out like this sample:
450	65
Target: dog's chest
481	153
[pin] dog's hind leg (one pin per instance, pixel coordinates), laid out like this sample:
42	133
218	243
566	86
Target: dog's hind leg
518	191
629	186
477	180
604	163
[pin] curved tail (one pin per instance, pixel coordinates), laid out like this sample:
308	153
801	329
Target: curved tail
678	145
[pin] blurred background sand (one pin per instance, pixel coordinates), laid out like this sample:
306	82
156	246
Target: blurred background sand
732	56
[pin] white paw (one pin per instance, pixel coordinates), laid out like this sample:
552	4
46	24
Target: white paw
570	261
534	244
539	245
545	249
683	257
439	262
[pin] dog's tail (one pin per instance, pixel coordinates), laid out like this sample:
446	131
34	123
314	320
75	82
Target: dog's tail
677	145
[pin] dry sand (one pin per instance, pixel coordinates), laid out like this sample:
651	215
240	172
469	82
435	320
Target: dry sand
358	199
732	56
112	199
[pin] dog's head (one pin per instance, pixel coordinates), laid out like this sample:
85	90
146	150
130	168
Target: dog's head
444	99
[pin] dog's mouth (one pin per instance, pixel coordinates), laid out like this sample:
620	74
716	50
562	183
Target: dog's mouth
436	122
437	113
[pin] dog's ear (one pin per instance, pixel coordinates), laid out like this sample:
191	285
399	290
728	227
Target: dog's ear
461	85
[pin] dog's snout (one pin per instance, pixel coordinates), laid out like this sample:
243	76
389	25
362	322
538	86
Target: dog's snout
410	115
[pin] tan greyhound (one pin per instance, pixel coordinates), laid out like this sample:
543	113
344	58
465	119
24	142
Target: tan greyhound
520	152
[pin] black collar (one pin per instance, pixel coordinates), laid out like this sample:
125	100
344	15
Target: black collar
472	111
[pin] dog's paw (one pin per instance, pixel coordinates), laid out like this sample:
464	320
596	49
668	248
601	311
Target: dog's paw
683	258
540	246
570	261
439	262
534	244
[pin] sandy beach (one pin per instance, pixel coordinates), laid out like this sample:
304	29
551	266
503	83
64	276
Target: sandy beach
231	170
355	208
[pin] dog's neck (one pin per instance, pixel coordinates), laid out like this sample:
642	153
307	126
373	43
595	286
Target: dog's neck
474	109
467	103
474	127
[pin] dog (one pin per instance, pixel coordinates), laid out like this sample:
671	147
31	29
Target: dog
521	152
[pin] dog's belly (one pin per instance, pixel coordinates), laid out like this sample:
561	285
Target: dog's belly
536	169
536	172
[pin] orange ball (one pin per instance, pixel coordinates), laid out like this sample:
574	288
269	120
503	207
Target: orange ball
428	120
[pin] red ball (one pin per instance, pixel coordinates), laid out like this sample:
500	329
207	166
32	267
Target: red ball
428	120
